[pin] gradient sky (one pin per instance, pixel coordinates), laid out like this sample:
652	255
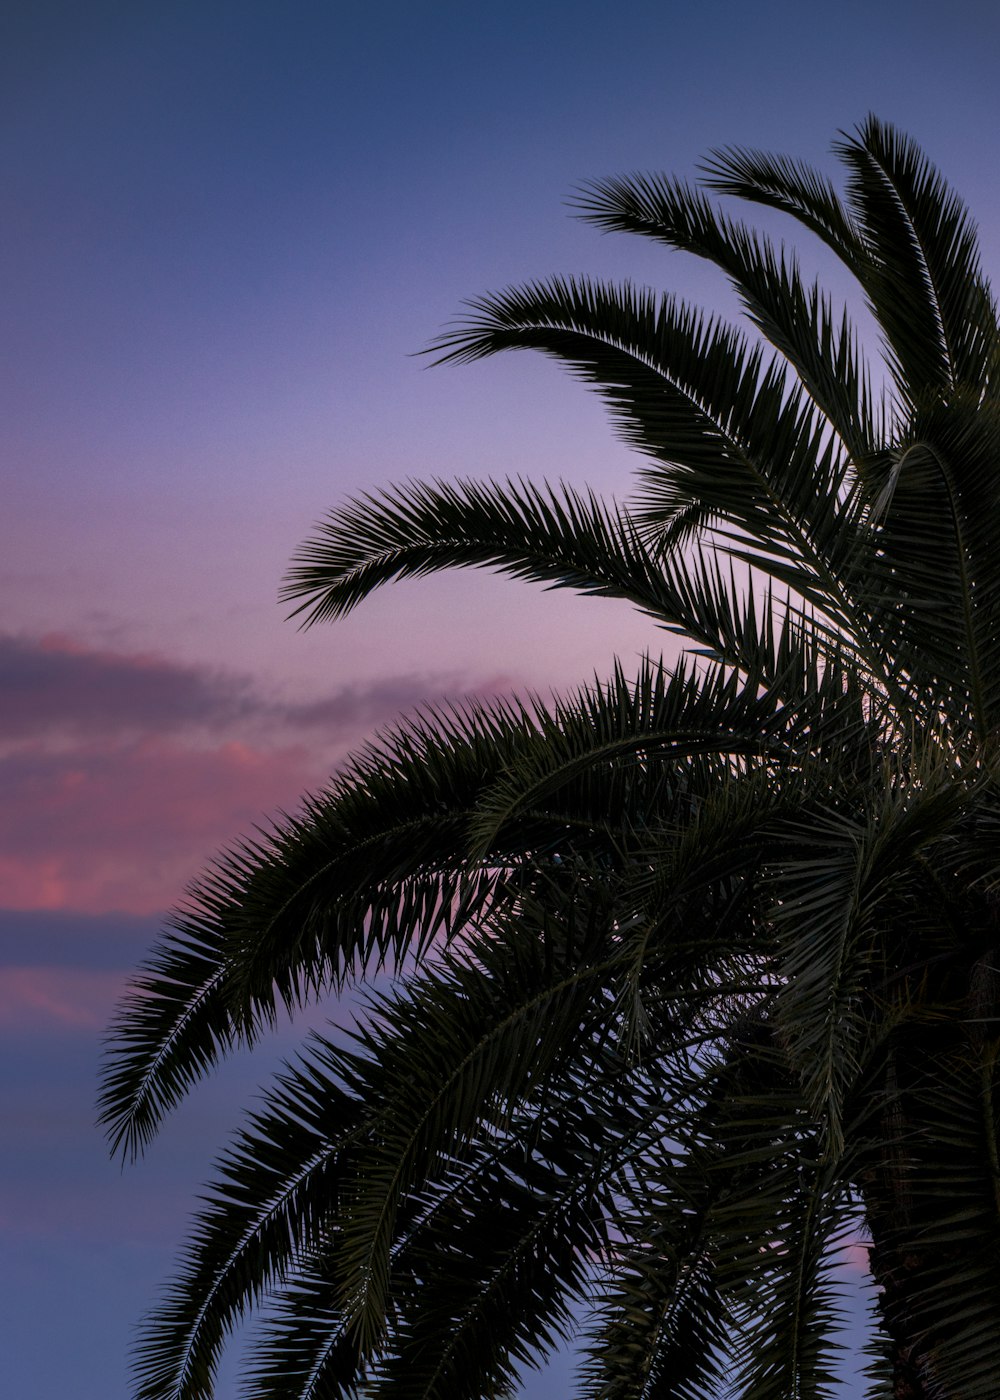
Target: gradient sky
227	227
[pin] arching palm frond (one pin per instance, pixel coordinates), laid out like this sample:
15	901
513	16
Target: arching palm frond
923	276
797	320
723	428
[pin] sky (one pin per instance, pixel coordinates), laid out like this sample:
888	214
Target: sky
229	227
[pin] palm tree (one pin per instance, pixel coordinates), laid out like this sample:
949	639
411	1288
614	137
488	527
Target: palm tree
695	972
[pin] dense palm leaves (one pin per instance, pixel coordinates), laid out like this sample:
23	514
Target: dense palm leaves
695	970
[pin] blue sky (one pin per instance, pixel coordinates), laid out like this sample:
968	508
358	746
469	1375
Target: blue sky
228	227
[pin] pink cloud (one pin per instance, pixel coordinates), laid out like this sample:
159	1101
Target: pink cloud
127	827
123	774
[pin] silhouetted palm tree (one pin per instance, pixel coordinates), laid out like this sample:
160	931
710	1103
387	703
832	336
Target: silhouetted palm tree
697	970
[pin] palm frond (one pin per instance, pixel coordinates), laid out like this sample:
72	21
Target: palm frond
369	871
731	433
923	277
552	535
796	319
779	182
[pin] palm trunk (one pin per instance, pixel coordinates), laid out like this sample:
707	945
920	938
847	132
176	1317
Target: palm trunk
910	1367
935	1127
887	1191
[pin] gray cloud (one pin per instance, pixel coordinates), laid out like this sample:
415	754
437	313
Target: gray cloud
51	686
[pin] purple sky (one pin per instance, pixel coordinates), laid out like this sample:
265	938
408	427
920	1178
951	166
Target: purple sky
227	228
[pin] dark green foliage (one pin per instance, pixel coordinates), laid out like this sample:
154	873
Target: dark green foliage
697	971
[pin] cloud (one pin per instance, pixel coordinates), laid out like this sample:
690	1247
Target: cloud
358	708
62	973
854	1257
126	827
53	686
124	774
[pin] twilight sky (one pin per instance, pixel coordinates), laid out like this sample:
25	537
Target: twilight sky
227	227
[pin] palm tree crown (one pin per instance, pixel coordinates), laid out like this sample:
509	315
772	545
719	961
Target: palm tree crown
696	970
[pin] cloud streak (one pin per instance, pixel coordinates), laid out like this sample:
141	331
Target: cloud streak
38	1000
53	687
